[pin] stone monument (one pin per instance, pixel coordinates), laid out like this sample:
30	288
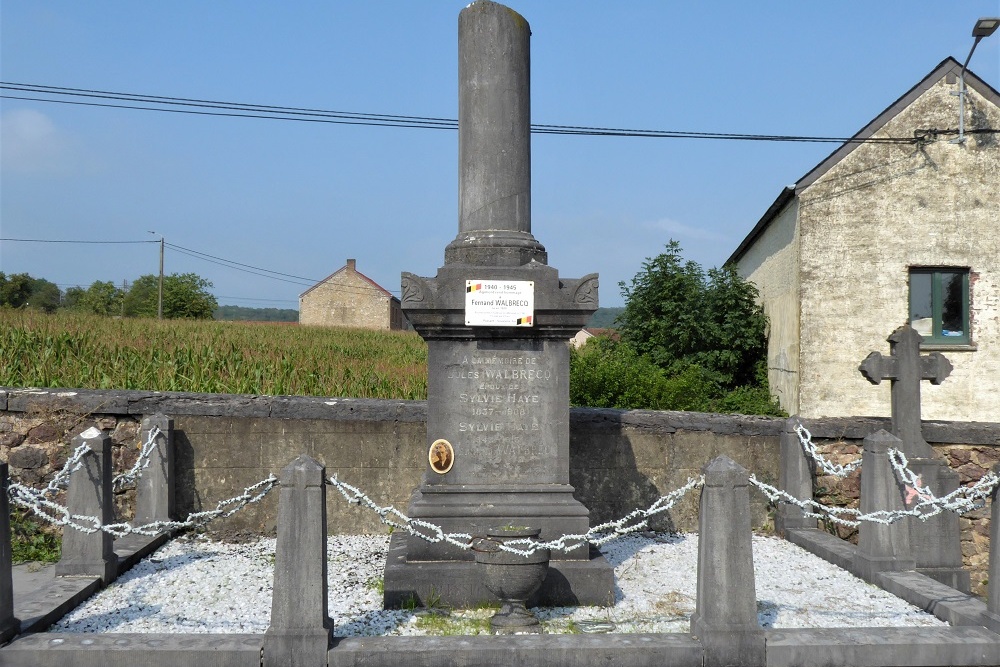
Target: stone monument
497	320
936	542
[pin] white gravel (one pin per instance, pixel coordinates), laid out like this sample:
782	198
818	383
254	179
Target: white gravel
198	585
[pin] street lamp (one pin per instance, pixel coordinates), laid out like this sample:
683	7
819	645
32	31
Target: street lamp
159	300
984	28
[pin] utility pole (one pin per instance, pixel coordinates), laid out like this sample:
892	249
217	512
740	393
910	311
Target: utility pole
159	300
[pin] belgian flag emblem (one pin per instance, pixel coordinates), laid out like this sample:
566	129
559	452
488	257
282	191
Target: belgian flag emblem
473	287
524	320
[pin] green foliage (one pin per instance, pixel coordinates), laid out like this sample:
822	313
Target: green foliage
15	290
690	340
678	315
604	318
101	298
610	374
243	313
30	541
185	296
44	296
87	351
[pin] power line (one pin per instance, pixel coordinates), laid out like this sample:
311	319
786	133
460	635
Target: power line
301	281
70	241
230	109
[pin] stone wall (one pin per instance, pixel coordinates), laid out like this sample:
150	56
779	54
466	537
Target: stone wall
619	460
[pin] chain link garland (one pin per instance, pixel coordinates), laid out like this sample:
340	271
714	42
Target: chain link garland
601	534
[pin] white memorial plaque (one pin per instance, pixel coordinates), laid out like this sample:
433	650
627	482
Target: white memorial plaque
499	303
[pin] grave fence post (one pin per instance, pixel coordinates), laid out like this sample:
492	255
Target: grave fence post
8	624
993	573
881	547
725	619
154	493
300	628
794	477
89	494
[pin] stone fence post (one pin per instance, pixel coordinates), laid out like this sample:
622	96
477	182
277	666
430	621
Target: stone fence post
993	574
154	495
89	494
725	619
300	629
794	477
881	547
8	624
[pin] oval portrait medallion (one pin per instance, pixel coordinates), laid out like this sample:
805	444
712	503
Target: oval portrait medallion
441	456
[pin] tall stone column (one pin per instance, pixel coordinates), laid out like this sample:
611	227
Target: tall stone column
497	320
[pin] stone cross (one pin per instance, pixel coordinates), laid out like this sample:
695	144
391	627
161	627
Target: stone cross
905	367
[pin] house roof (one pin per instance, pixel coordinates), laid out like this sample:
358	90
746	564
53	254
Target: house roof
374	284
947	66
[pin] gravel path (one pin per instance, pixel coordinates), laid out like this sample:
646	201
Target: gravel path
198	585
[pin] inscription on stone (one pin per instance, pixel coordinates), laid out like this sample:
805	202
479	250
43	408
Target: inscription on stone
498	409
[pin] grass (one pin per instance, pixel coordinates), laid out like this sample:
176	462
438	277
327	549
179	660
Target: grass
92	352
31	541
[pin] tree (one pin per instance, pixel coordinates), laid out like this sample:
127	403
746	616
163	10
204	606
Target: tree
101	298
15	290
185	295
678	315
44	296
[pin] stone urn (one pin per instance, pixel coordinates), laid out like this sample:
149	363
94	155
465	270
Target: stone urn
511	577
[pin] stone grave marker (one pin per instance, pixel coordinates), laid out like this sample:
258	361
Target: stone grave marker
936	543
497	320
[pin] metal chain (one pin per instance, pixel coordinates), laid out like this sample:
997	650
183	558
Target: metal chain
598	535
37	501
837	470
141	463
962	500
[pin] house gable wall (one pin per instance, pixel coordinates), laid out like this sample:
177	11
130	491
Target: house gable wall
771	263
881	210
348	299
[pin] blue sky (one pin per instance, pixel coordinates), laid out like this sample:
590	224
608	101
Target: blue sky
300	198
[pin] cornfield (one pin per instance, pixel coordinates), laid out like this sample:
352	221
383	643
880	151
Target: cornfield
92	352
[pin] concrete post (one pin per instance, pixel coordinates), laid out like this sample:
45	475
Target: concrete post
8	624
154	494
725	619
794	477
993	574
881	547
299	633
89	494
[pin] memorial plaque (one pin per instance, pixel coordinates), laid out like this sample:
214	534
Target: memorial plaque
504	303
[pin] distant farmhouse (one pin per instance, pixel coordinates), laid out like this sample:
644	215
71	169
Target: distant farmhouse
880	234
349	298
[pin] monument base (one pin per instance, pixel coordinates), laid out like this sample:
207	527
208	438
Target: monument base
459	584
475	509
